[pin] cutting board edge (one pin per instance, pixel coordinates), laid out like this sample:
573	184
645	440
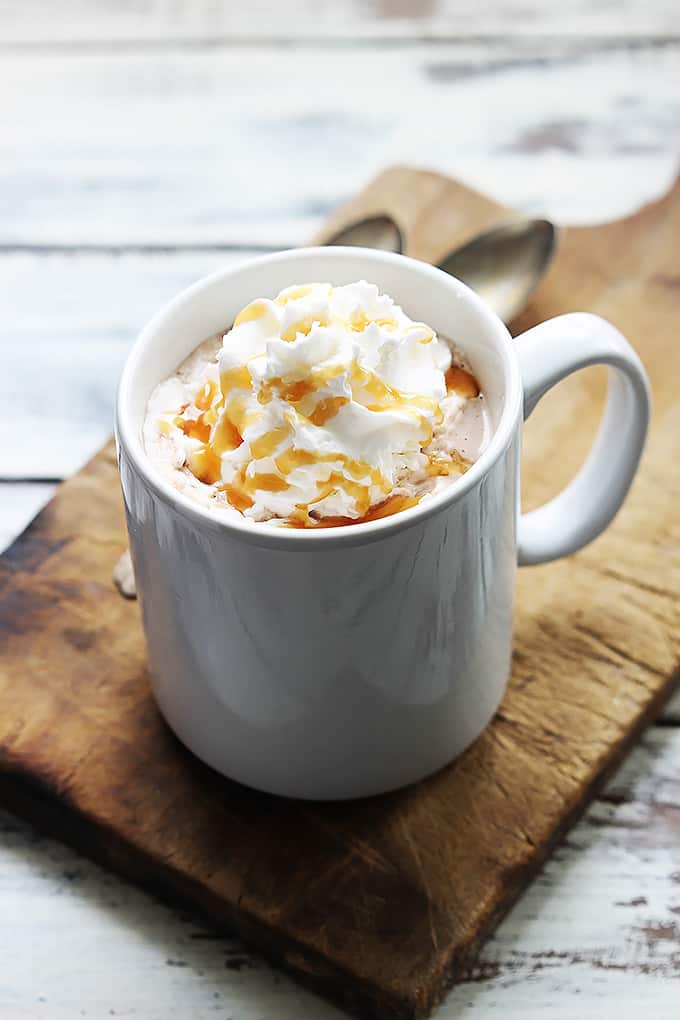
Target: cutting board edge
49	813
49	810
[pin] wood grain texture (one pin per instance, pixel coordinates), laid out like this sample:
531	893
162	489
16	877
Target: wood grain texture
598	927
110	155
377	904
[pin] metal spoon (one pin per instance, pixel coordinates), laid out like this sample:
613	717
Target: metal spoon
373	232
503	265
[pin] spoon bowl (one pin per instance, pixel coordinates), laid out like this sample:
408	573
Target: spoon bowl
504	265
374	232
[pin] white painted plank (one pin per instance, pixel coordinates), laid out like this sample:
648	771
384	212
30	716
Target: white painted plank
671	712
80	21
66	324
602	922
76	941
258	144
599	928
19	503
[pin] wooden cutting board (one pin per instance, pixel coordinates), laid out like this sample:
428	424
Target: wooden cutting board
378	904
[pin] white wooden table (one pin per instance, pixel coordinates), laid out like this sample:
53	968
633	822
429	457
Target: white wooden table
144	144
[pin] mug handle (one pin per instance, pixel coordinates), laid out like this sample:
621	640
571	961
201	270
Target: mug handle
548	353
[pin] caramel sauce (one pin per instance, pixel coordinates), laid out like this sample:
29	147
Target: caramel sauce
237	411
268	482
236	490
455	463
361	494
461	382
251	313
241	489
225	437
291	459
327	409
217	438
206	396
303	326
212	415
197	429
206	465
393	505
221	432
298	390
295	293
360	321
295	391
458	380
235	379
237	495
264	446
386	397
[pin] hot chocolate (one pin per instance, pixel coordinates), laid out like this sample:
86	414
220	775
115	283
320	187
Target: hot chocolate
323	407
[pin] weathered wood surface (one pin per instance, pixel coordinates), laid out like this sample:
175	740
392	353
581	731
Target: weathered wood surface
99	946
19	502
257	144
32	23
66	325
127	172
594	937
597	645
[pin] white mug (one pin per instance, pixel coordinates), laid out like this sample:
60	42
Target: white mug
335	663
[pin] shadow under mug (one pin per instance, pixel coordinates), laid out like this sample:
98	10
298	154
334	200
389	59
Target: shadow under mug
350	661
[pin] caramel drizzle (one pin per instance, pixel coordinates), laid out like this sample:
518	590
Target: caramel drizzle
303	326
216	434
459	380
452	464
220	425
393	505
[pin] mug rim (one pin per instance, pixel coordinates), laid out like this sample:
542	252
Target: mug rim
258	532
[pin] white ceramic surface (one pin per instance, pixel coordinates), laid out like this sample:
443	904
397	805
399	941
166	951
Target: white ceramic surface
343	663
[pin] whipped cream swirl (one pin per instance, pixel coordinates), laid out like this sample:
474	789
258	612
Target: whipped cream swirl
319	403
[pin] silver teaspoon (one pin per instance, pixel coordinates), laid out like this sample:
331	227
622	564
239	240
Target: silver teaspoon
373	232
504	265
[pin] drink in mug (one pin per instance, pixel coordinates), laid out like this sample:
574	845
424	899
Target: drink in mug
322	503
